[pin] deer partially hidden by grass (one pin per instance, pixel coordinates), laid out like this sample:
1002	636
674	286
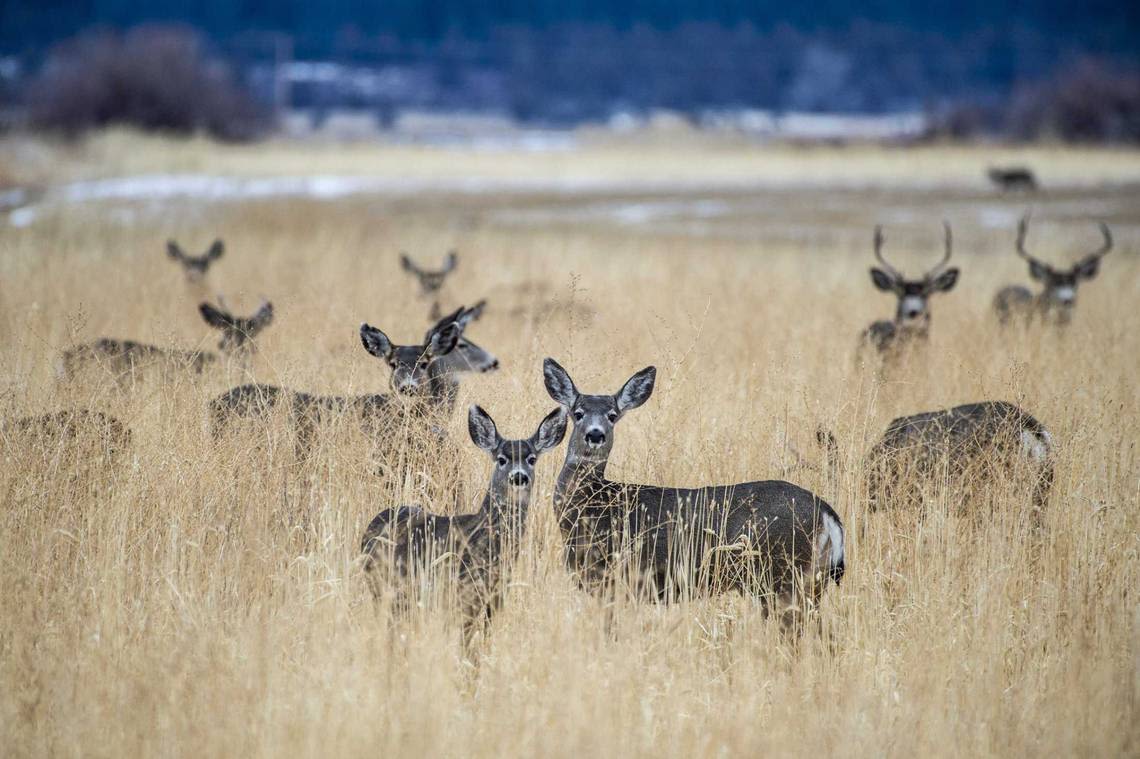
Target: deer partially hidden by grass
431	282
68	428
424	375
195	267
970	447
911	325
1058	293
466	559
770	540
125	359
1013	178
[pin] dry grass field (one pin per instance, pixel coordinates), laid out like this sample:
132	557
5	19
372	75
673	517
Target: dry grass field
192	598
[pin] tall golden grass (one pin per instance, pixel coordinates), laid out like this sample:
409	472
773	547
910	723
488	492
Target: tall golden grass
206	598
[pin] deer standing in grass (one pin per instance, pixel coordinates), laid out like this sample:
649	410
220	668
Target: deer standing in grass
1058	295
911	324
195	267
771	540
425	375
431	282
127	358
973	446
409	550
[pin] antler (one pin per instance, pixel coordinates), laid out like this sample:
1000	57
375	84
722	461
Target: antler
949	246
1107	246
879	253
1022	230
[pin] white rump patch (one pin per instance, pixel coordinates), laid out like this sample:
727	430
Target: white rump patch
1036	447
829	543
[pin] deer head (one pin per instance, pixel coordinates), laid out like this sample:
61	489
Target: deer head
237	332
430	281
195	267
1059	291
913	295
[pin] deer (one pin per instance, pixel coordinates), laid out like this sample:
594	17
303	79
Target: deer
124	358
1058	295
408	550
911	325
1013	178
771	540
426	373
973	444
195	267
68	427
431	281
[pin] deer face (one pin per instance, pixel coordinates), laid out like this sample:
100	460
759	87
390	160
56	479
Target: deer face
411	365
430	281
1060	285
913	295
514	459
237	333
195	267
594	416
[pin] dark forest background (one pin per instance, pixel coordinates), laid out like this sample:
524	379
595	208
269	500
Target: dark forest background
1002	66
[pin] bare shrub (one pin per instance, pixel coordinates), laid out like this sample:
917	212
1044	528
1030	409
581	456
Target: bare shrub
158	78
1091	102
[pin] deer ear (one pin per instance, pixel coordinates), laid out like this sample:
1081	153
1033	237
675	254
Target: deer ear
1038	271
482	429
1087	268
945	281
444	340
407	263
173	250
550	431
216	250
558	383
882	280
451	262
375	341
637	389
215	318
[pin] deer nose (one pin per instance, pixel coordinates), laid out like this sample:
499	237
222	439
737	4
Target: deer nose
595	436
519	479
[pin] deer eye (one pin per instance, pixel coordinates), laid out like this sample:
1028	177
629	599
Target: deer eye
579	415
503	461
531	460
612	416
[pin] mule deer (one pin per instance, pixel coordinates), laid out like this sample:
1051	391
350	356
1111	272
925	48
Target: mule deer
408	549
1059	286
123	358
426	372
972	444
912	315
1013	178
195	267
771	540
66	428
431	281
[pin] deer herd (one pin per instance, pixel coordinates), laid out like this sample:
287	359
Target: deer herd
770	540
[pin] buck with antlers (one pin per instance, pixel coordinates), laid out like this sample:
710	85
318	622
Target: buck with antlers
424	374
126	358
912	314
195	267
1059	286
771	540
431	282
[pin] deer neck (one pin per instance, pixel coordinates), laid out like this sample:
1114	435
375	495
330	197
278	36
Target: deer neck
505	514
578	472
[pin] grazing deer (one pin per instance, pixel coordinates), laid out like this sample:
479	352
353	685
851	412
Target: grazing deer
408	549
426	372
124	358
974	444
68	427
911	324
1013	178
771	540
1059	286
195	267
431	281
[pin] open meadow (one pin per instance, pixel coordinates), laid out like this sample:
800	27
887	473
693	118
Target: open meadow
193	596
